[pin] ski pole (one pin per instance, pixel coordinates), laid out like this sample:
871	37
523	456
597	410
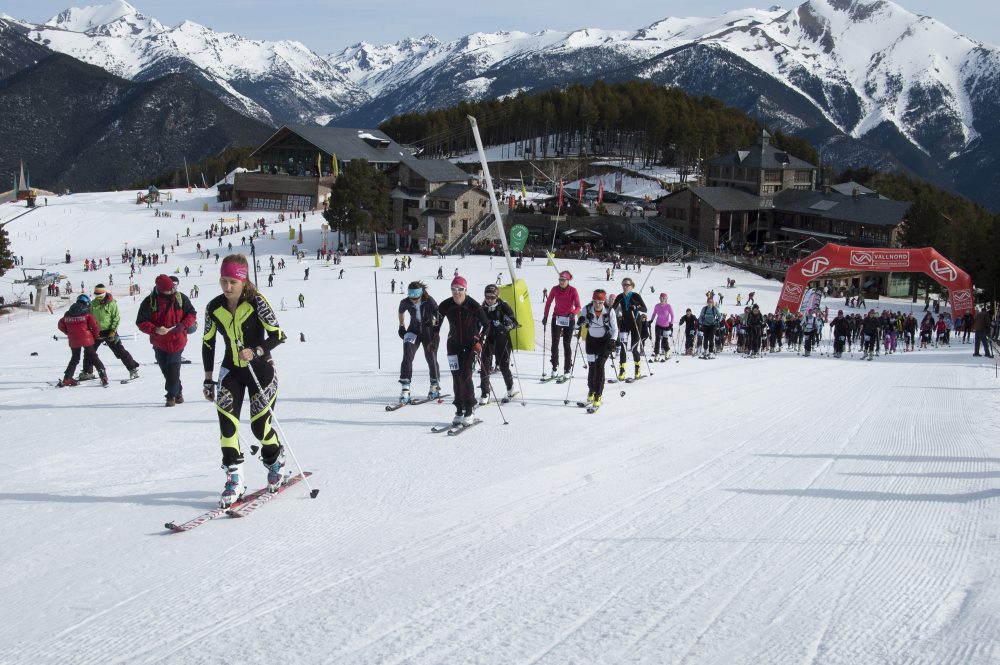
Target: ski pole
545	335
572	365
517	375
489	383
284	439
642	347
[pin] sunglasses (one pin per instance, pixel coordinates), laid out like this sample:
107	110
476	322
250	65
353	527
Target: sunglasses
490	297
563	279
457	289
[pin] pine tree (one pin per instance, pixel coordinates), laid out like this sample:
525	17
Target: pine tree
359	200
6	257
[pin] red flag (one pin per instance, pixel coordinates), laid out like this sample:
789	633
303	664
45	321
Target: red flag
581	191
560	193
600	192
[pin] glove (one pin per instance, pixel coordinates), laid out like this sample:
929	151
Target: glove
545	320
477	346
208	390
402	331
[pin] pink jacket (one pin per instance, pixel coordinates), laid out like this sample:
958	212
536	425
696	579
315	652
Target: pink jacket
663	315
567	302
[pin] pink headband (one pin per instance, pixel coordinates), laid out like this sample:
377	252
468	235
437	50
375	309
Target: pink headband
234	270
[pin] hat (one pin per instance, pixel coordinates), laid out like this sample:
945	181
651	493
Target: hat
491	289
566	274
663	295
99	291
164	284
840	312
84	298
600	295
460	281
175	279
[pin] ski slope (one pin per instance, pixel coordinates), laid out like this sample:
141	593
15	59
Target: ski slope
777	510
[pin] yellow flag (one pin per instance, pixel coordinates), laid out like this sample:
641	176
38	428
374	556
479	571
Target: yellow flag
319	164
335	171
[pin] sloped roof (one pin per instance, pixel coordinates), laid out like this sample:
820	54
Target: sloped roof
847	188
762	156
450	192
727	198
436	170
834	205
346	143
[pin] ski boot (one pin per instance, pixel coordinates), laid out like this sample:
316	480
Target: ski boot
86	376
404	392
467	419
67	381
509	395
133	373
276	475
235	485
434	392
458	419
621	372
104	378
597	401
590	398
655	358
638	371
484	399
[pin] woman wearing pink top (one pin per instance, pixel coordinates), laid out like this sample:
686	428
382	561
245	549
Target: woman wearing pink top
567	308
663	320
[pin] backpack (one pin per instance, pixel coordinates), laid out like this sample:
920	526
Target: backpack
180	305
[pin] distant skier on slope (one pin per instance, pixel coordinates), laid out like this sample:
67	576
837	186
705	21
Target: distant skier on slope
250	331
105	310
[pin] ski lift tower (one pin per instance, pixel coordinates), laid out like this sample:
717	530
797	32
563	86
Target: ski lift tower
41	281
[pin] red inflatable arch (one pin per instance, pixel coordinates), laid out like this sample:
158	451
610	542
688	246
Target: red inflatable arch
834	258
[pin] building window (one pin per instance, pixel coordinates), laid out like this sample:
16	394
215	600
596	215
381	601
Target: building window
465	205
772	175
803	176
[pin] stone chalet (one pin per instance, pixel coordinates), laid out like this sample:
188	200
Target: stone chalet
297	165
434	202
763	195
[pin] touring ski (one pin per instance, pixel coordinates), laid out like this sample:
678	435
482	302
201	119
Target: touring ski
416	402
247	507
210	515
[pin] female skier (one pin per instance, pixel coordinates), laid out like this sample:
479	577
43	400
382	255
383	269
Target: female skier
632	309
601	327
466	323
250	332
496	344
567	307
662	321
423	312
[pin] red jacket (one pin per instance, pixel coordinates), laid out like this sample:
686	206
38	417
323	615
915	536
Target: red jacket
80	326
172	311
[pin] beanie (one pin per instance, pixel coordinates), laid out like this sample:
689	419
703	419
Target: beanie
491	288
99	291
663	295
164	284
460	281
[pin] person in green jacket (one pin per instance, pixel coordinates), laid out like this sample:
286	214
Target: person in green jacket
105	309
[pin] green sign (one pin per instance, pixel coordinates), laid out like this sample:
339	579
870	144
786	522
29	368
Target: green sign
518	237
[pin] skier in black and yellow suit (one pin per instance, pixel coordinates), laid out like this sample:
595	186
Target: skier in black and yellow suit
250	330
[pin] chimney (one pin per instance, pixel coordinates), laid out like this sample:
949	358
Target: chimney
856	193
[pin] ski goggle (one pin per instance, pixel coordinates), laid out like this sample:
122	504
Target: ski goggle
490	296
415	293
457	289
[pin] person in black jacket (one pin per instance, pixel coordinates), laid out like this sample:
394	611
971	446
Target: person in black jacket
496	344
690	323
423	311
632	311
841	330
870	329
755	331
466	324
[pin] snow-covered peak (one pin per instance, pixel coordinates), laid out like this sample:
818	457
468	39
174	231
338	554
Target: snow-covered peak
114	19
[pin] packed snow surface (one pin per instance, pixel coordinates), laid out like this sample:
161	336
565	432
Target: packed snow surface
777	510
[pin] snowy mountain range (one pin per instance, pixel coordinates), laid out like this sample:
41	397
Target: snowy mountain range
866	81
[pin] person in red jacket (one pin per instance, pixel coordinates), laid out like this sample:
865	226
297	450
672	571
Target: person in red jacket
167	316
567	308
81	328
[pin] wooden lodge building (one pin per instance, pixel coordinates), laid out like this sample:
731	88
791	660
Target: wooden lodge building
761	195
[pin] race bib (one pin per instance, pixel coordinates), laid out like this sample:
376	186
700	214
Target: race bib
665	334
409	338
591	357
453	363
623	337
562	321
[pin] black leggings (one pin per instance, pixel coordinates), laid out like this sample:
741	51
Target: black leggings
460	361
566	334
89	356
430	355
229	402
598	350
662	339
499	350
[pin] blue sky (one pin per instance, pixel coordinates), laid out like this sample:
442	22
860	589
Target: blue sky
326	26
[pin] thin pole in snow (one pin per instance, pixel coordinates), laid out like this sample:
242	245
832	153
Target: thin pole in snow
378	340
